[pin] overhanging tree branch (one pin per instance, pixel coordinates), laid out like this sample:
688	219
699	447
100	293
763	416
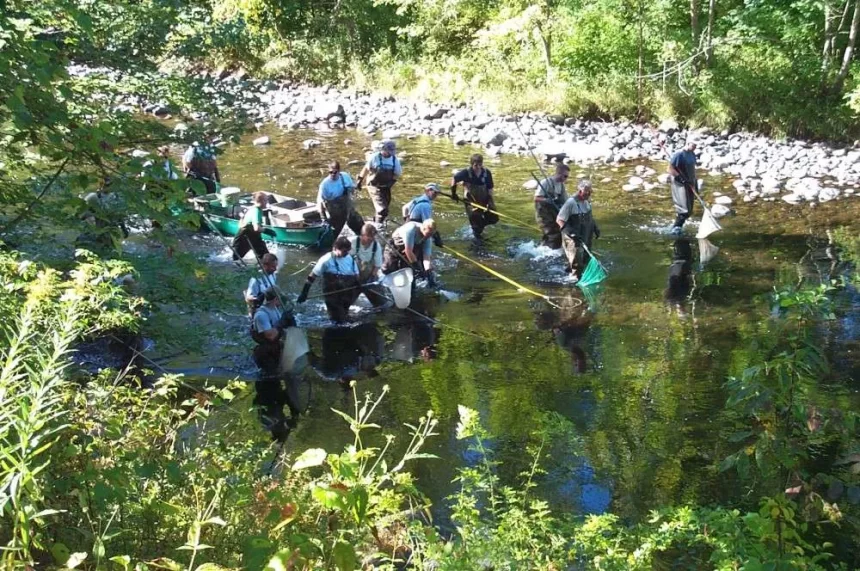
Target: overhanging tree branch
30	206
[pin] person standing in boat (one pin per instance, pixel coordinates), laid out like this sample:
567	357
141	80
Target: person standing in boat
578	227
340	275
384	169
478	182
367	252
682	167
267	330
250	236
420	208
411	245
198	163
550	196
258	285
334	201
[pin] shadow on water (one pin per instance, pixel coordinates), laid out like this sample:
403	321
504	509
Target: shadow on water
633	372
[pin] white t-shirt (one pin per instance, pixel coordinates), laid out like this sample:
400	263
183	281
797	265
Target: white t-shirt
366	257
259	284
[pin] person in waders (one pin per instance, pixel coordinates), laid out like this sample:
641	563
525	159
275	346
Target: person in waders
339	272
411	246
198	163
367	252
334	201
478	182
550	196
267	331
258	285
250	236
578	227
384	169
682	167
420	209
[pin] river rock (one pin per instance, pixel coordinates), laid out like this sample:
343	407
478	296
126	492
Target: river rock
139	153
492	137
444	164
827	194
724	200
793	198
720	210
635	181
260	141
630	187
668	126
530	184
310	144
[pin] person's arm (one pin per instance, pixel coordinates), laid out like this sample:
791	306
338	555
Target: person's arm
217	174
409	254
257	221
377	261
398	168
320	202
348	184
365	170
405	209
266	328
675	166
251	293
428	251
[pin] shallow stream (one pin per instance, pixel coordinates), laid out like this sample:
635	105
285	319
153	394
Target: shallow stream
639	377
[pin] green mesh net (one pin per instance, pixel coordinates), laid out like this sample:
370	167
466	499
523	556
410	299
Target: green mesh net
594	273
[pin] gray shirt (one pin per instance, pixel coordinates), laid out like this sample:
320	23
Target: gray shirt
410	235
552	190
574	206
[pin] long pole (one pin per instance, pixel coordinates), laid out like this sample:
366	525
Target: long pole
487	209
501	276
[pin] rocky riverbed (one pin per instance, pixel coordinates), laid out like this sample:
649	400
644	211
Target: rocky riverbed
794	171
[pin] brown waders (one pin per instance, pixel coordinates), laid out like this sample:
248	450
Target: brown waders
340	292
479	218
340	212
379	189
545	214
203	170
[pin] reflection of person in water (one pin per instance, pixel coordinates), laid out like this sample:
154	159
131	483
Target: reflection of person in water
415	339
348	352
569	325
678	284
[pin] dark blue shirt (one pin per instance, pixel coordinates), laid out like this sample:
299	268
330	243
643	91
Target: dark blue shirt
685	163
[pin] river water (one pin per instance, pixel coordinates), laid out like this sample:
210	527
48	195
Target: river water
635	381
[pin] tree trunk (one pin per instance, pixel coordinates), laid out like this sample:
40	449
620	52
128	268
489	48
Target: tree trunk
709	41
848	55
546	44
640	62
694	21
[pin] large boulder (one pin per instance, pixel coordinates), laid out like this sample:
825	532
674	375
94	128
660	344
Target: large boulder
492	137
668	126
260	141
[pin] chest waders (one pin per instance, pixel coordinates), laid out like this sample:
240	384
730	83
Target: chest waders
340	292
582	226
682	198
479	219
340	212
267	354
545	214
246	240
203	170
379	189
373	292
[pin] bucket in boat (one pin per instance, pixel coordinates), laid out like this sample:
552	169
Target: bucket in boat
400	284
294	349
228	195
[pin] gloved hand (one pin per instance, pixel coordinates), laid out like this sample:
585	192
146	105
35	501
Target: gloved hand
454	195
431	278
437	240
596	232
287	320
359	185
417	269
303	297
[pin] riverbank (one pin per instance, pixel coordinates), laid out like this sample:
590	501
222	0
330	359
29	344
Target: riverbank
761	169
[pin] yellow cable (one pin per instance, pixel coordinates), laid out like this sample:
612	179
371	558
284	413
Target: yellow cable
500	276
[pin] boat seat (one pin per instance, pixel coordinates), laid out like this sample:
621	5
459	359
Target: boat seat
293	214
